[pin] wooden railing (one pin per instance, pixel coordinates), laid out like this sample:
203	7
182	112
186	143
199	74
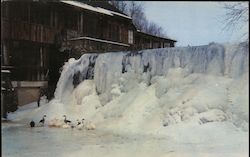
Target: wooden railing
20	30
29	73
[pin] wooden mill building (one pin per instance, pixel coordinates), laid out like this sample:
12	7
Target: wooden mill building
38	37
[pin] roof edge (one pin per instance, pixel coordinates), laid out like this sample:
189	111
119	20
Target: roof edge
138	31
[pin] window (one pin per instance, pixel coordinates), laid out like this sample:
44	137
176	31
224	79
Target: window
150	44
130	37
155	45
166	44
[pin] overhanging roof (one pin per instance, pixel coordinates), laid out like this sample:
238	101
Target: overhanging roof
96	9
146	34
99	40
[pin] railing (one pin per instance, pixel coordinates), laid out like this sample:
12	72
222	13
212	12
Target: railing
20	30
29	73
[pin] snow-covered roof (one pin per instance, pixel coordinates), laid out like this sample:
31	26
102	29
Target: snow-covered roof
5	71
100	40
119	14
104	11
95	9
88	7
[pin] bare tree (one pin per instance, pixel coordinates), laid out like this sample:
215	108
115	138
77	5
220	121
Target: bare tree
237	16
121	5
154	29
136	11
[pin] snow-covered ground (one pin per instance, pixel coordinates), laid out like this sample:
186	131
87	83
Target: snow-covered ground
210	140
190	101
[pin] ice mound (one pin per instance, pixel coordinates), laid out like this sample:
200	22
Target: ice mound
153	89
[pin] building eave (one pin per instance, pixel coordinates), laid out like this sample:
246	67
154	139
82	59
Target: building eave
99	40
95	9
139	32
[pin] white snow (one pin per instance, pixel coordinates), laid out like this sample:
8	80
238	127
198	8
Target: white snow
88	7
189	101
5	71
95	9
100	40
119	14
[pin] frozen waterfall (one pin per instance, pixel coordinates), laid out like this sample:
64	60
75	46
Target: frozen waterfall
106	69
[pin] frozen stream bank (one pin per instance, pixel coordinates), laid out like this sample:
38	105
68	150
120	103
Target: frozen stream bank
54	142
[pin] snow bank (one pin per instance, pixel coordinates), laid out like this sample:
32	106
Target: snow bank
151	90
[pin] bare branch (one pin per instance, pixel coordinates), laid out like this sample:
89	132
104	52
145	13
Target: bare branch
136	10
236	16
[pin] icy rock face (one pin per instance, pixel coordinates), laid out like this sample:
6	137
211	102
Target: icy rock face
84	66
110	68
237	60
148	63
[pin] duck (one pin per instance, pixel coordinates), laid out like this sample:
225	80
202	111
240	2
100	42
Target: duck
65	120
83	121
55	123
42	120
80	125
72	126
32	124
88	125
66	126
78	122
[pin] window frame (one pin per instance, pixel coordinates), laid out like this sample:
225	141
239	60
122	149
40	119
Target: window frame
130	36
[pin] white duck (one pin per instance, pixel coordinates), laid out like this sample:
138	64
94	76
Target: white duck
66	126
89	125
56	123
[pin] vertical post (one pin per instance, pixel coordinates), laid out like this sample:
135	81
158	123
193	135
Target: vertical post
41	64
81	22
55	19
29	22
5	54
2	108
29	13
51	17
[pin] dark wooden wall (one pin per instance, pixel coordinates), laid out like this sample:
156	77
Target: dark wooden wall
33	32
30	30
146	41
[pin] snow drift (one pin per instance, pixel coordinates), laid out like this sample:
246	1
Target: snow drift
150	90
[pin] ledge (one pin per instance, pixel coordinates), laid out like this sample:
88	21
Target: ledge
29	84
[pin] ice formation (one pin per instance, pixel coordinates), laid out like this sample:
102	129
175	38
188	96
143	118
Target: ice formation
108	68
152	89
